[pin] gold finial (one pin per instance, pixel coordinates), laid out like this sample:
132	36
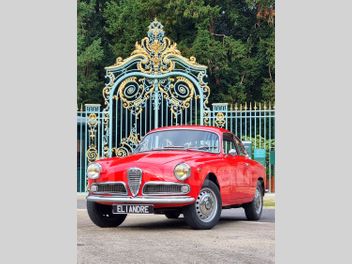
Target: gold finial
240	106
260	105
255	105
264	106
269	105
236	107
245	106
81	107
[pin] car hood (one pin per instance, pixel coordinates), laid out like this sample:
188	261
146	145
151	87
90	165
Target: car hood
156	157
156	165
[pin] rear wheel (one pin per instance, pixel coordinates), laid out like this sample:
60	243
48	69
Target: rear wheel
205	212
254	209
102	215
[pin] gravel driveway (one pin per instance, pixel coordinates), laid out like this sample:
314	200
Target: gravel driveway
156	239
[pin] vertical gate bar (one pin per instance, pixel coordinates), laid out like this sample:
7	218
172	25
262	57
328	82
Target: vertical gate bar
162	112
269	150
85	151
196	112
240	135
245	121
230	116
98	133
156	103
126	125
145	117
150	114
250	121
120	122
255	125
191	116
260	126
167	113
186	113
80	150
116	124
265	139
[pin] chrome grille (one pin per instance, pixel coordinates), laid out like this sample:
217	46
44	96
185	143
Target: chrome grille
134	176
164	188
113	187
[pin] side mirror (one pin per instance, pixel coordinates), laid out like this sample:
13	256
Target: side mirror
232	152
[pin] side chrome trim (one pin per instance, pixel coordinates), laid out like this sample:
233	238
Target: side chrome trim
150	199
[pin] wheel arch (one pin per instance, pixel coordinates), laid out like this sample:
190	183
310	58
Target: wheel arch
212	177
261	180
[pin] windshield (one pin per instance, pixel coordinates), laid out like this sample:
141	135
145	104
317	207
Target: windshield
180	139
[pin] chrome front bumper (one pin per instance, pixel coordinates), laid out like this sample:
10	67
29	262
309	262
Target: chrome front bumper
144	199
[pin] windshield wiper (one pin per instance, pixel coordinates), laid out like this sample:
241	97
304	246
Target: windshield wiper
167	147
203	147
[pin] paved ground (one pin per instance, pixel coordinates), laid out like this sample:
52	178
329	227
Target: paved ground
156	239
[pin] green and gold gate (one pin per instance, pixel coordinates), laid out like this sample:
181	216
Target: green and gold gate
156	86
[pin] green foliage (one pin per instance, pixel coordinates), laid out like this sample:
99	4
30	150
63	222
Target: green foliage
260	142
236	43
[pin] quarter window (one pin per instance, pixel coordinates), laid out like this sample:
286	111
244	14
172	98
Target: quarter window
241	149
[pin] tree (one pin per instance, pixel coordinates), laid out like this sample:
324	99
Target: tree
235	39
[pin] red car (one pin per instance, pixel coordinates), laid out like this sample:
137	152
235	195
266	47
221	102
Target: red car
192	170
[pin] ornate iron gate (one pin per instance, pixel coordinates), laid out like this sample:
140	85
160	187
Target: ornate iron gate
156	86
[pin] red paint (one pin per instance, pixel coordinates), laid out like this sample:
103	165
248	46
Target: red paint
237	180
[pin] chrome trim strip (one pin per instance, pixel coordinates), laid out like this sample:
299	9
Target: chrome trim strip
111	182
165	183
150	199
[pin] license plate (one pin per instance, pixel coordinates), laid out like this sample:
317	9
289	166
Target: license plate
132	209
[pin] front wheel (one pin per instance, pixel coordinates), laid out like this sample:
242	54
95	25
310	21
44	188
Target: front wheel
102	215
205	212
254	209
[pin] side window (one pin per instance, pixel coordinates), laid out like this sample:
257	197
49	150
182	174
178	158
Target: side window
228	143
240	146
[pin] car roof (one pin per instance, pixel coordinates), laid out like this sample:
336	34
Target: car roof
217	130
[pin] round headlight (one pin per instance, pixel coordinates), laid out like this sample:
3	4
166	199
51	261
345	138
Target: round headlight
93	171
182	171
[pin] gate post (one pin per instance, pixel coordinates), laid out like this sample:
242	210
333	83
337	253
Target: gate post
92	144
220	114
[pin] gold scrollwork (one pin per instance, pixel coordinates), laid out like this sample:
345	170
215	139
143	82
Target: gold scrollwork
92	153
133	94
127	144
178	93
220	119
155	52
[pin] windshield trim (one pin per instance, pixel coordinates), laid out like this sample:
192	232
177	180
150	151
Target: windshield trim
185	149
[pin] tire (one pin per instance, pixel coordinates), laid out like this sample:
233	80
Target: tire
254	209
102	216
172	214
205	212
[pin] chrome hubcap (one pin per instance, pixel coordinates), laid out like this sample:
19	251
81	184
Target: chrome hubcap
206	205
258	202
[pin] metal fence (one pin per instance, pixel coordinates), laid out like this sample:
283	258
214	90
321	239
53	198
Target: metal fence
254	123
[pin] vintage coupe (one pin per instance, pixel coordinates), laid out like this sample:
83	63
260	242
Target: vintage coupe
192	170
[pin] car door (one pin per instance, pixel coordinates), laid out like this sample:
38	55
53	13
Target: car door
246	182
234	168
